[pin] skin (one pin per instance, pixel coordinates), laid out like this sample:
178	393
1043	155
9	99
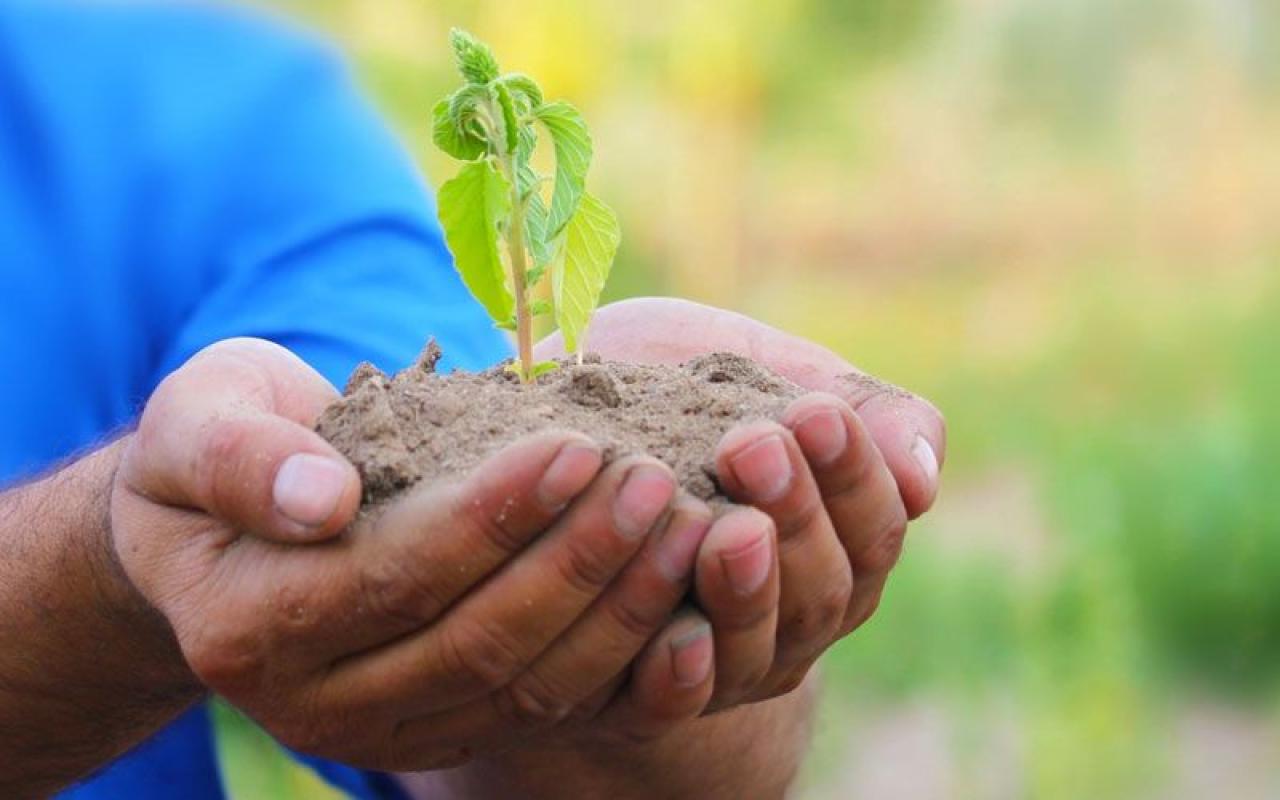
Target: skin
545	624
839	476
780	582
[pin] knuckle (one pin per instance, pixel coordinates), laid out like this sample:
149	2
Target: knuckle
227	656
885	549
584	570
636	620
494	526
732	691
531	703
861	613
735	618
811	628
479	658
393	589
800	519
224	441
790	682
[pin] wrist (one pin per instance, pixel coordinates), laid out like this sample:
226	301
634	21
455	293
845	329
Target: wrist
121	602
95	668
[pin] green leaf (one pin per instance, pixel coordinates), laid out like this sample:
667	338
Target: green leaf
539	307
535	223
521	84
473	207
507	325
510	124
543	367
579	272
464	107
452	138
573	159
528	143
474	58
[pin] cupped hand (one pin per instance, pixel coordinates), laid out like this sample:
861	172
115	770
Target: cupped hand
461	618
828	492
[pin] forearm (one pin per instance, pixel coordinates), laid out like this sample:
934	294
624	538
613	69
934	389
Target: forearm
752	751
87	668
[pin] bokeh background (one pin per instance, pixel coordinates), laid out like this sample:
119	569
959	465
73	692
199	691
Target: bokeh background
1059	219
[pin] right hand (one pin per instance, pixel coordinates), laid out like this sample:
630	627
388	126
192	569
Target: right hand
461	619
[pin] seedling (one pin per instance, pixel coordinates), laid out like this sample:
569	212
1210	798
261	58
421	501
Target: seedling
493	124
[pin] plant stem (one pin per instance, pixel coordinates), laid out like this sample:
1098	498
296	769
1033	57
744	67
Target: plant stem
519	271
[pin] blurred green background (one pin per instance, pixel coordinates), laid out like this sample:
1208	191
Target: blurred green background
1060	220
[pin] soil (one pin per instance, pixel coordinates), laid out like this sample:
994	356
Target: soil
425	426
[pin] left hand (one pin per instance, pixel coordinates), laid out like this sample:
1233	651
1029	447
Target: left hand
838	477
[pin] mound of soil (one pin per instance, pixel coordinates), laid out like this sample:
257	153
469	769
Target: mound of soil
425	426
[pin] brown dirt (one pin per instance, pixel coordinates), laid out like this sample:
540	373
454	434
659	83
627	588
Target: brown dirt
422	425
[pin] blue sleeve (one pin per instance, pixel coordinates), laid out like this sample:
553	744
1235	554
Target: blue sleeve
173	174
312	226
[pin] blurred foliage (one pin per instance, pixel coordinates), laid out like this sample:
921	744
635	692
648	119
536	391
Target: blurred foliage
1056	218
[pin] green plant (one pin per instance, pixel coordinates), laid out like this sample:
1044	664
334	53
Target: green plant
492	123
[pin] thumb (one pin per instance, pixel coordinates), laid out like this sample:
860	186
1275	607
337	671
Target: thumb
211	439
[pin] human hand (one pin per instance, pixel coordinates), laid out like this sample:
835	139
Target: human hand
837	480
459	619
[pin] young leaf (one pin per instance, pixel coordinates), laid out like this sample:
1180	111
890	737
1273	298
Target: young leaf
472	207
474	59
573	158
453	138
537	370
521	84
543	367
464	107
510	123
578	274
539	307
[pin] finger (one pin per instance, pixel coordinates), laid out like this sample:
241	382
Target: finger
858	492
671	682
737	589
761	464
396	573
497	631
908	429
600	646
229	434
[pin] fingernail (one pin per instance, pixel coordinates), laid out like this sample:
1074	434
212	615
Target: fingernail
645	494
308	488
678	548
570	472
747	568
691	656
764	469
928	460
823	436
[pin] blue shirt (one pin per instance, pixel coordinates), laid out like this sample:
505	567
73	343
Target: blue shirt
172	175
